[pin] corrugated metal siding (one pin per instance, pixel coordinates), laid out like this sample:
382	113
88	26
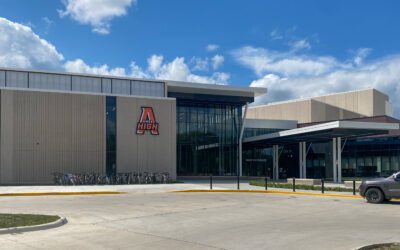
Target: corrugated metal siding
147	152
42	133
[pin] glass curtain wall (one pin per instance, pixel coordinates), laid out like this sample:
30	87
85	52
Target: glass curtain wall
371	157
111	135
207	138
257	161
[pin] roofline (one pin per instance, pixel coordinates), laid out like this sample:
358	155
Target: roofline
206	86
312	98
324	126
81	74
86	93
306	124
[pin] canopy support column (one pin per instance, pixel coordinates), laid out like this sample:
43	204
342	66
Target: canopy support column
275	160
334	157
301	159
240	167
304	159
339	159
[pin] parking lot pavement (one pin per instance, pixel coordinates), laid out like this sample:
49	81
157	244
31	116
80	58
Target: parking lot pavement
205	221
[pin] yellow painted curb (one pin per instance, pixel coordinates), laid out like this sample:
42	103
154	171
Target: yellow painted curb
266	191
61	193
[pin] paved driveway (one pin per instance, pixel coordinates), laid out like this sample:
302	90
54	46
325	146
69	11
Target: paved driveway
205	221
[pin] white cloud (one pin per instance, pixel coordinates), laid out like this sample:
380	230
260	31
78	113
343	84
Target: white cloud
263	61
136	71
97	13
212	47
154	63
79	66
381	74
47	23
217	61
361	54
176	70
275	35
20	47
199	64
300	44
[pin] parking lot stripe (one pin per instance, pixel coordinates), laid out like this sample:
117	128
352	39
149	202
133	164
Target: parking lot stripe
267	191
61	193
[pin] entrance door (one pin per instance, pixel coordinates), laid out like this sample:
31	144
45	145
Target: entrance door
316	166
257	167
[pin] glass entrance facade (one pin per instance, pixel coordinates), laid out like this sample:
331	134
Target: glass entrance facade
370	157
207	138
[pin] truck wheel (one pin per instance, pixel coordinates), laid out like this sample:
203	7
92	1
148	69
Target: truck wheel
374	195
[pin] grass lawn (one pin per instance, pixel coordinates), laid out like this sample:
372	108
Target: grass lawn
397	247
19	220
261	183
351	178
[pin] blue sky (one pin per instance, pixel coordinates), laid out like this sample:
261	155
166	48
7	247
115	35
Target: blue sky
296	49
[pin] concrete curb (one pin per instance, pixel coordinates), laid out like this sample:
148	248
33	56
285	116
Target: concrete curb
371	247
16	230
62	193
266	191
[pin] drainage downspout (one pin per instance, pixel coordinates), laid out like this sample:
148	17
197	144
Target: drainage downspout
241	139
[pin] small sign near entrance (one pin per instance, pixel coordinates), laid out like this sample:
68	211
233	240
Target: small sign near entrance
147	122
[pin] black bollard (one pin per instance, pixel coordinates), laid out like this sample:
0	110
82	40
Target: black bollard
322	185
211	182
354	186
266	183
238	182
294	184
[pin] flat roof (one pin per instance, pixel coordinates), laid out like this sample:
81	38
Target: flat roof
324	131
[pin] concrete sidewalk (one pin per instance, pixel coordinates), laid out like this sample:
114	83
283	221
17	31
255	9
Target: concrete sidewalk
147	188
143	188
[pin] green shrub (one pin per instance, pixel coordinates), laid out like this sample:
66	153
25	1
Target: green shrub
261	183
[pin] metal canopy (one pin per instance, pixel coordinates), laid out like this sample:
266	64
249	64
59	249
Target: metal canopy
322	132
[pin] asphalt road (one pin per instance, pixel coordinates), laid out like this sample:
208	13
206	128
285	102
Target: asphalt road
205	221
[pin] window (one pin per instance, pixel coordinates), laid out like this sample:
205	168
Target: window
121	87
206	145
2	78
86	84
144	88
49	81
17	79
106	85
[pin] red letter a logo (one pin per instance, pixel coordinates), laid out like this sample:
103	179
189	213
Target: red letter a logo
147	122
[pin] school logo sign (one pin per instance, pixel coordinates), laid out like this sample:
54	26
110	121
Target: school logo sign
147	122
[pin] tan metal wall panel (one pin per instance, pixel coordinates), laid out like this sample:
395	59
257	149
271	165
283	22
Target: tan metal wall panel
43	132
300	111
379	103
368	102
147	152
